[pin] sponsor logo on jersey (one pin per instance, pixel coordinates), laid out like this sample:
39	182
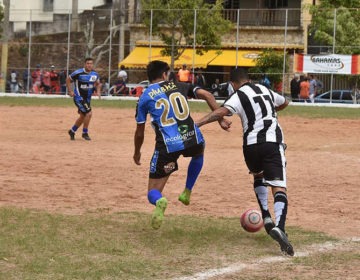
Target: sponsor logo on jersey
183	129
182	137
93	78
85	86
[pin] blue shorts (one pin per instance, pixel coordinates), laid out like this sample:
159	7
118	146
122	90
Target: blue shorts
83	106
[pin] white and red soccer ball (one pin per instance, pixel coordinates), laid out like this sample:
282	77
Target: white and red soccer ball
251	220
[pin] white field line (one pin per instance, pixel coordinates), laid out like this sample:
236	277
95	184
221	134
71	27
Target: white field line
239	266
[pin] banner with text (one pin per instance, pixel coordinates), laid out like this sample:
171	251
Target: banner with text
329	63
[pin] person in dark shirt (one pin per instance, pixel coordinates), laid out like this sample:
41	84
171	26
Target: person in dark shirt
86	83
295	87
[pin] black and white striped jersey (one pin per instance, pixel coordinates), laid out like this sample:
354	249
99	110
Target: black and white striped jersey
255	104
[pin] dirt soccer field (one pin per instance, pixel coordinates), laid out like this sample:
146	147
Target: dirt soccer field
42	169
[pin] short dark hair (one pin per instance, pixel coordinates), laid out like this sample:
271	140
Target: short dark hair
155	69
88	59
238	74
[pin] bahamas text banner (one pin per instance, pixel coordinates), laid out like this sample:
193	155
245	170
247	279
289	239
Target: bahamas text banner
328	63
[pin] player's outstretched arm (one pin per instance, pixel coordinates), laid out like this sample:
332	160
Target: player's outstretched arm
216	115
208	97
283	106
211	101
138	141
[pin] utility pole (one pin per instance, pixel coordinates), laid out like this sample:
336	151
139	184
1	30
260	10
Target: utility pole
75	16
4	49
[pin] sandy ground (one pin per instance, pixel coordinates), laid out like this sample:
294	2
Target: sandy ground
41	168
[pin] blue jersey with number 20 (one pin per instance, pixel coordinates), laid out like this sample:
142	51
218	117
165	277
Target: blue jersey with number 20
167	105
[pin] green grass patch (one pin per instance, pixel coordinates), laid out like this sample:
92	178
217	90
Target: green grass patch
39	245
300	111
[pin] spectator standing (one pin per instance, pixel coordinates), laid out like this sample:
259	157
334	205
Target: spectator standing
312	89
295	87
184	74
54	81
122	73
87	83
304	88
319	86
14	86
45	83
27	80
216	87
36	76
62	80
200	79
104	86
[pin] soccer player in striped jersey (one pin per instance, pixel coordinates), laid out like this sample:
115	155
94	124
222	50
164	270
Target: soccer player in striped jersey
86	83
263	147
175	132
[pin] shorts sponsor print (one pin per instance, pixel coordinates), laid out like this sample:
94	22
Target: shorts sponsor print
162	163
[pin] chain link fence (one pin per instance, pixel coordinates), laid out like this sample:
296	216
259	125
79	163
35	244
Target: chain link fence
57	43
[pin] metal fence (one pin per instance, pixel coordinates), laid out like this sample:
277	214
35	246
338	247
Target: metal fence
41	40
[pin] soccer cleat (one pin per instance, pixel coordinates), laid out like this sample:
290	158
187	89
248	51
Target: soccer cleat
280	236
86	136
158	214
268	224
184	197
72	134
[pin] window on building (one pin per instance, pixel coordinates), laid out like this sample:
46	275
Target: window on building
274	4
48	6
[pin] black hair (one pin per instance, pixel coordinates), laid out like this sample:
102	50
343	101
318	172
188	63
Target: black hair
238	74
88	59
155	69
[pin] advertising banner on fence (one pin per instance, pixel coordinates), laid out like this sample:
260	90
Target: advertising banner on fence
329	63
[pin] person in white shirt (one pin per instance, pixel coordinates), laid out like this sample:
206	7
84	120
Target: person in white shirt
122	73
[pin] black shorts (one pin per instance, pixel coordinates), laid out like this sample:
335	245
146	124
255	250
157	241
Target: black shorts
268	158
83	106
162	164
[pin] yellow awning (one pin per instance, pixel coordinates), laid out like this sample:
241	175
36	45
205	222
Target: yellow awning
141	56
245	58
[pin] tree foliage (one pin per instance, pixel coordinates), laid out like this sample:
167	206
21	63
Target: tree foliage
173	22
347	31
271	63
347	35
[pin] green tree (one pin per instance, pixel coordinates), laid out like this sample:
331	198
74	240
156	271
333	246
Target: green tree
347	31
347	35
173	22
271	63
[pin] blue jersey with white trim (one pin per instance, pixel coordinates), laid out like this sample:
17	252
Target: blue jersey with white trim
84	83
166	102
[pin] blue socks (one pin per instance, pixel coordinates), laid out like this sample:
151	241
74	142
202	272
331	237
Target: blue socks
74	128
85	130
194	169
154	195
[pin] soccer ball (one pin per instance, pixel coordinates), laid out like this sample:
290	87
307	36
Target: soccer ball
251	220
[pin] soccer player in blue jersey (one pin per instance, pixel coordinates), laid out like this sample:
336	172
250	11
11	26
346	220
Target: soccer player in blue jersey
86	83
176	134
